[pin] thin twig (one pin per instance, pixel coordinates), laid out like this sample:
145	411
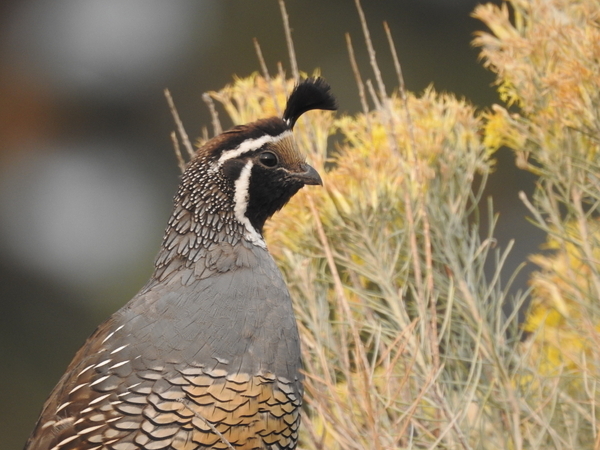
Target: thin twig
357	77
403	96
180	160
282	76
409	412
216	123
414	249
397	65
267	77
371	50
182	134
311	431
387	112
373	94
288	39
429	284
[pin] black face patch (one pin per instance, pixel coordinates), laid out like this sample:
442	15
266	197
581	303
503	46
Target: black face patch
232	168
269	190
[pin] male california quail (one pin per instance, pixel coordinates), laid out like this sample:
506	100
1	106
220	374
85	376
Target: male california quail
207	354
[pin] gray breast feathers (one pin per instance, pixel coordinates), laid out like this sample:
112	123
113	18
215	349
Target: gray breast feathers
243	317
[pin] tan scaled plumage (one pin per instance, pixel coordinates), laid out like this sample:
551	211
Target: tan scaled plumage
239	412
243	408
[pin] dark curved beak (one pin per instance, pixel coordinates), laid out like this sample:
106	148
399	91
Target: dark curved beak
308	176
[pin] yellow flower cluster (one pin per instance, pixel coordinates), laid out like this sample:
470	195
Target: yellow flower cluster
548	63
547	58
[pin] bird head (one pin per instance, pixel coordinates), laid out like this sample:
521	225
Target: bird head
259	164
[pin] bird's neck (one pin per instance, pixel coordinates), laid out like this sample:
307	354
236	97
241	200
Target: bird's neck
204	234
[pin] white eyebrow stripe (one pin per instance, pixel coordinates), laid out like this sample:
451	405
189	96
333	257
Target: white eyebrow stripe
252	144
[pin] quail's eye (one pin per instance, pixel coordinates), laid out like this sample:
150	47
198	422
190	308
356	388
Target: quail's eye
268	159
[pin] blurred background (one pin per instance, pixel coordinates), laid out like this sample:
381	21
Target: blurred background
87	171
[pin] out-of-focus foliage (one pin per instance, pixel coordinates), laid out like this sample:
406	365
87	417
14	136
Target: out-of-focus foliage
547	59
407	343
548	64
564	314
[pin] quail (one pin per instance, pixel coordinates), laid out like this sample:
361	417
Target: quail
207	354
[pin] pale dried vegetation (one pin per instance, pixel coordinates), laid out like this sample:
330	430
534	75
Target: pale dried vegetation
407	342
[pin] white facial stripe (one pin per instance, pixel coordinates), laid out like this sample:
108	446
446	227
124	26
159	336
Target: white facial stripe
241	204
252	144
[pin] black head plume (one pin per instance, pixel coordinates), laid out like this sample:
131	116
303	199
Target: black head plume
312	93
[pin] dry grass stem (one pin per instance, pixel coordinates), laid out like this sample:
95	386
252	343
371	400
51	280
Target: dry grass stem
357	77
180	128
177	150
288	39
216	123
265	73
